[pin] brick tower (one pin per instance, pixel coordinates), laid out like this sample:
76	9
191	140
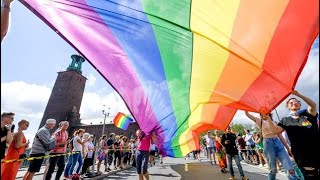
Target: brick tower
66	96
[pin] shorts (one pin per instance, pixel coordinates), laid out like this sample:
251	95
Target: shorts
152	153
259	150
251	150
35	165
142	158
211	150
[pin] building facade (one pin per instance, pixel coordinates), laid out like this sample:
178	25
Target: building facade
96	130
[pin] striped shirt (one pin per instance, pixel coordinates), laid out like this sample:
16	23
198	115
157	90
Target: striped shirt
60	136
43	134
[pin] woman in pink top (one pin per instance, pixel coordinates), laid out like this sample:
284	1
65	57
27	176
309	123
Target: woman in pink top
61	136
142	154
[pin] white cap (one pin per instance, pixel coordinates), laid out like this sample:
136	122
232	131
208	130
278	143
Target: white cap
86	136
52	121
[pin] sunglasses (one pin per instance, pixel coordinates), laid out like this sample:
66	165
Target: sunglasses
294	102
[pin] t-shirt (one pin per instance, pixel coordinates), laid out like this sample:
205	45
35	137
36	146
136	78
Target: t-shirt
209	141
88	145
3	133
76	145
110	142
60	136
242	143
117	147
249	140
144	143
303	134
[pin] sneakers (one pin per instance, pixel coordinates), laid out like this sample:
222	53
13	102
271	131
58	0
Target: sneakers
232	178
223	170
107	169
244	178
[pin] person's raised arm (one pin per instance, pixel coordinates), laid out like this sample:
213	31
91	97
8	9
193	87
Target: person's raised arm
154	138
5	9
275	129
312	107
250	116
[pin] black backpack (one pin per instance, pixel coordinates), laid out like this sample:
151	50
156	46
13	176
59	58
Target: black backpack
70	144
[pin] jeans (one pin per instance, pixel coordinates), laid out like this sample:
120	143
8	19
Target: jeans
142	158
69	163
53	161
273	149
237	160
72	160
76	158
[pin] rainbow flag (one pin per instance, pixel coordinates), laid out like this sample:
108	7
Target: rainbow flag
122	121
183	67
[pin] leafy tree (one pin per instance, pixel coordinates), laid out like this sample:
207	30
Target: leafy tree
238	128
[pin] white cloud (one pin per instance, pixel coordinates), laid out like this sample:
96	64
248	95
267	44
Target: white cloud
93	104
91	80
27	99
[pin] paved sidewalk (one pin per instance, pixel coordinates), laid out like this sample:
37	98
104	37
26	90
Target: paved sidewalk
176	169
179	168
39	175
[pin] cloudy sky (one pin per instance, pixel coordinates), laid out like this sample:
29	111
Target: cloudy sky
32	54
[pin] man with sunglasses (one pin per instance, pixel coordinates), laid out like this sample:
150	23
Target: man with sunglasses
6	131
303	132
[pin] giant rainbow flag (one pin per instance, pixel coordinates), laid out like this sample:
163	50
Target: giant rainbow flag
184	66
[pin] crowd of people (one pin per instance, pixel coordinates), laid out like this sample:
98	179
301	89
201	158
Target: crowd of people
292	145
116	150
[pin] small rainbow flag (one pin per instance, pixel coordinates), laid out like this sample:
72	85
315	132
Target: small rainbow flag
122	121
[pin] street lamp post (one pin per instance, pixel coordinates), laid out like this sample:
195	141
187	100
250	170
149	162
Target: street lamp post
105	117
104	123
